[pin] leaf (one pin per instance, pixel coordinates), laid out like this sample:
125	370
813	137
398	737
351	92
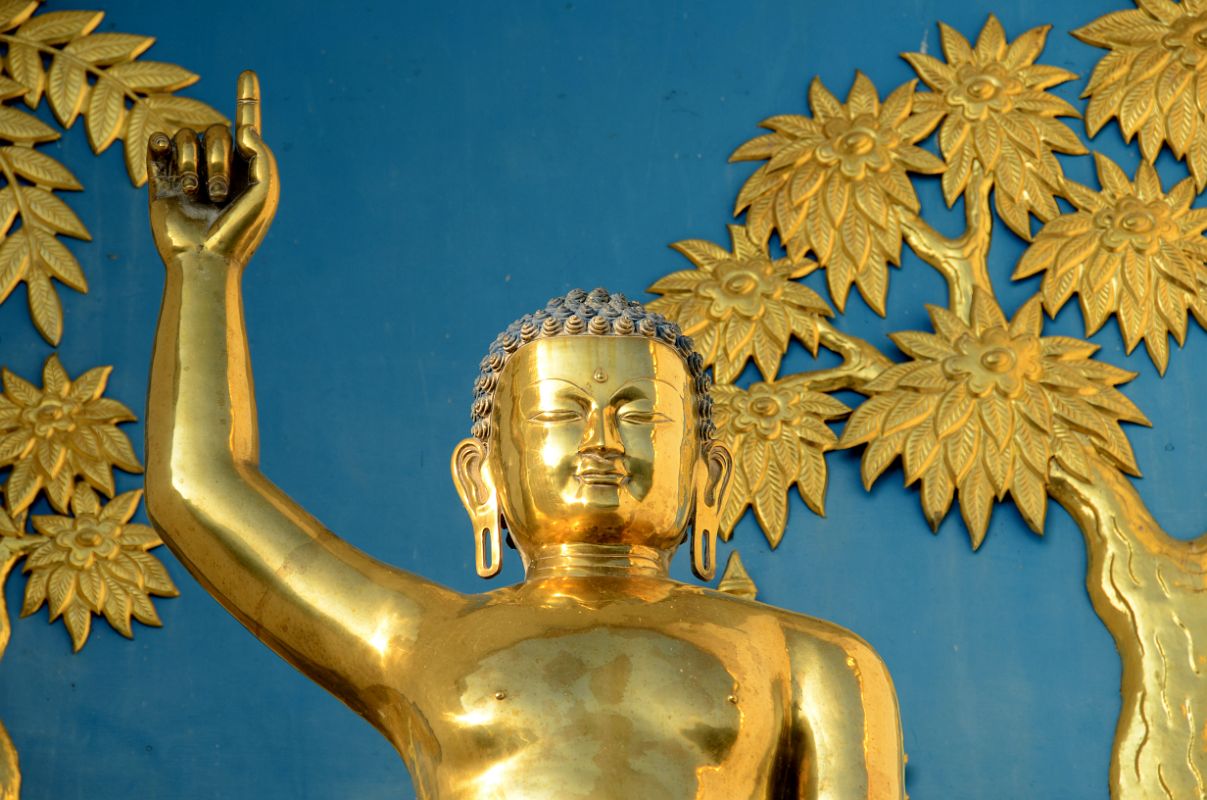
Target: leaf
17	126
136	137
14	263
78	620
103	49
65	84
56	259
156	577
937	491
25	65
878	455
152	76
117	607
106	108
60	27
144	612
14	12
39	168
976	504
54	212
44	306
184	111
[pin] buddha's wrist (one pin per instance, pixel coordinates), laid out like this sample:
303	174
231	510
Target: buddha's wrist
203	261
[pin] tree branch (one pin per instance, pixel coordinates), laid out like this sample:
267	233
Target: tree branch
962	261
861	362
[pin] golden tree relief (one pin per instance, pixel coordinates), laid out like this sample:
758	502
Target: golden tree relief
60	442
984	406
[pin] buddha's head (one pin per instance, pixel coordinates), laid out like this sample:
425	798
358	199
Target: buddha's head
592	425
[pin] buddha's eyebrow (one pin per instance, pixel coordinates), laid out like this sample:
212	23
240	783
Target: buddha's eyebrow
635	381
570	384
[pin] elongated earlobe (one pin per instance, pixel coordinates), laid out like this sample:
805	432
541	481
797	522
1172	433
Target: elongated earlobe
712	478
481	502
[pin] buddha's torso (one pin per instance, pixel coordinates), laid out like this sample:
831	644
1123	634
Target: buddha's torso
675	693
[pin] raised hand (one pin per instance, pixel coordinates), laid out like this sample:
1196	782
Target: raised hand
207	199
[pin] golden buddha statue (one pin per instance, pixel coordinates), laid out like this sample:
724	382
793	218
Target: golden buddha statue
596	677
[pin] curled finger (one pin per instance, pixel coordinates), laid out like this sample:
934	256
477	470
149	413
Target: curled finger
187	161
218	162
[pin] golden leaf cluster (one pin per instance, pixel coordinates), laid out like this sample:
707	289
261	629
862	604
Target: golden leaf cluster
996	113
1130	250
95	562
740	304
87	559
777	432
981	408
836	184
1154	79
84	74
33	253
62	431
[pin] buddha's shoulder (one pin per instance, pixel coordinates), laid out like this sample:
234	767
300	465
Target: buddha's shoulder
804	635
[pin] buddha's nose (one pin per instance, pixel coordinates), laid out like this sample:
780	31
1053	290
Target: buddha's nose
602	434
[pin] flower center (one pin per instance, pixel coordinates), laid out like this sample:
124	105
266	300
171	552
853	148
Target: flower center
765	406
90	538
983	87
1138	222
49	416
998	359
1188	39
740	283
857	142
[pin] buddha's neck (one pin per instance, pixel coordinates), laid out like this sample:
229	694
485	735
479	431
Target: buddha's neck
582	559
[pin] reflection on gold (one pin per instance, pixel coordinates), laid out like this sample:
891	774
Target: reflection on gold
593	447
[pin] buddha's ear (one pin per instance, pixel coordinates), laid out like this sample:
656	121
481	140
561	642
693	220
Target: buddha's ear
481	502
712	478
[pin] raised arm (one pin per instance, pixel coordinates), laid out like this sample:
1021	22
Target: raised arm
847	708
341	617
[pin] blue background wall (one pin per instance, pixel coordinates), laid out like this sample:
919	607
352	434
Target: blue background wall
446	167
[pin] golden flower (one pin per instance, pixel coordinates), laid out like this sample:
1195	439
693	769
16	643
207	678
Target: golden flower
63	430
996	114
740	304
96	562
1129	250
777	433
836	184
1152	78
982	408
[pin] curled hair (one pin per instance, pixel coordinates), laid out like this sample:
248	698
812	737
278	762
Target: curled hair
597	313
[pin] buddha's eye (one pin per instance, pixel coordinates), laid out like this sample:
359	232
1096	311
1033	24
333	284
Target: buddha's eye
640	416
555	415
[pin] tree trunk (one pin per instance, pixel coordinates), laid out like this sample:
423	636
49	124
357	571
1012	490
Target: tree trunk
1151	592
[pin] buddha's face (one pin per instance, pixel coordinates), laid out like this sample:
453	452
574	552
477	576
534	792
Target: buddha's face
594	440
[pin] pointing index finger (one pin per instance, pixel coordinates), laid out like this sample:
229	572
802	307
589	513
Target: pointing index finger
247	108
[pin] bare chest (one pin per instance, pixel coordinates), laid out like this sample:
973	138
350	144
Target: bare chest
603	712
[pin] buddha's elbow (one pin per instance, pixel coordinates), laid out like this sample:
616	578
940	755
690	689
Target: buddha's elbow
177	488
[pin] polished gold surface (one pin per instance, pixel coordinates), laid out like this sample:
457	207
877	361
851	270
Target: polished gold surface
1149	588
598	676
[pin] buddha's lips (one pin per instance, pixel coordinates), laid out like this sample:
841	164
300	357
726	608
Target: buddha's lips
596	471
